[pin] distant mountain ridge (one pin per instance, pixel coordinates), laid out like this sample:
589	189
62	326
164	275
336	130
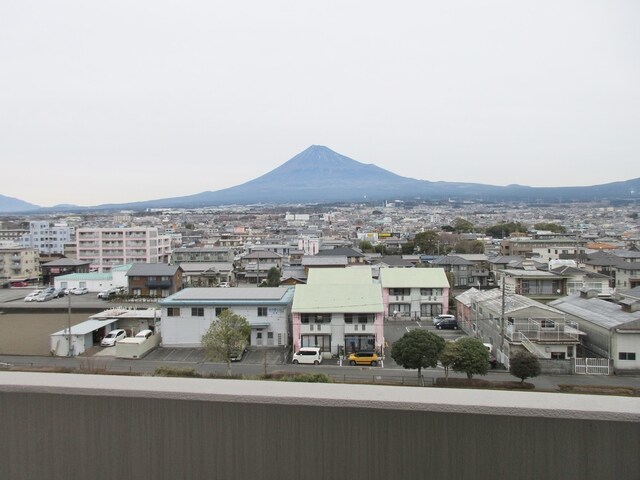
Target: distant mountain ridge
320	175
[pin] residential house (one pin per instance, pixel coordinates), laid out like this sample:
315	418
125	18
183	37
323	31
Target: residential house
354	257
531	282
207	274
461	269
416	293
154	279
512	323
339	310
255	266
621	265
611	330
187	314
580	279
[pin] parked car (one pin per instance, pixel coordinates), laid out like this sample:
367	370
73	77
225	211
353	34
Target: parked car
311	355
19	284
107	294
364	357
44	297
79	290
224	285
238	354
58	293
144	334
112	337
444	316
32	296
447	324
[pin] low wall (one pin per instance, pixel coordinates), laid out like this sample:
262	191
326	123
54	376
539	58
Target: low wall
164	428
556	367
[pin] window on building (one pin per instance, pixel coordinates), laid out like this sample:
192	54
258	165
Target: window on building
197	311
348	318
219	310
262	311
173	312
626	355
315	318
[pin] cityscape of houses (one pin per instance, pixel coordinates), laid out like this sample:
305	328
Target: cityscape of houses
344	271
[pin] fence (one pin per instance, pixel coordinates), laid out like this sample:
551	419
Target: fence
592	366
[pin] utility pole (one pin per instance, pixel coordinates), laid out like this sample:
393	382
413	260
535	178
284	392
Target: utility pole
502	318
69	323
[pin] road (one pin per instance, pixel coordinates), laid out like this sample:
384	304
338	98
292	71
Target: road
256	369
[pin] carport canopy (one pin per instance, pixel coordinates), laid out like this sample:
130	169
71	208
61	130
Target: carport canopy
87	326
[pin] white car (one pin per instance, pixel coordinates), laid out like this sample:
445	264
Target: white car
79	291
309	355
144	334
32	296
112	337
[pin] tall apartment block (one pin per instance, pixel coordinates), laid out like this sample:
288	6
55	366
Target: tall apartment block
47	238
107	247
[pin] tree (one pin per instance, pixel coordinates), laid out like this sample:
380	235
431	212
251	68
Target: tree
417	349
226	336
365	246
426	242
471	357
503	230
448	356
469	246
552	227
460	225
524	365
273	278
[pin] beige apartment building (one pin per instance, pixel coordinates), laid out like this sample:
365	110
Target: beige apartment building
19	264
108	247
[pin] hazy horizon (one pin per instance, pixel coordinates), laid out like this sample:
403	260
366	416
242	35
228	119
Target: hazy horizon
124	102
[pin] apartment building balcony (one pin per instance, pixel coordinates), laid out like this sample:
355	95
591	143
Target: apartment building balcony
87	244
315	328
112	235
543	331
112	253
431	298
359	328
112	244
136	253
135	243
158	283
88	235
136	235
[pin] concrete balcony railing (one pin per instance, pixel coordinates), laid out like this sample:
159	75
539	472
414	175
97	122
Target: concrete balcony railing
360	328
247	413
309	328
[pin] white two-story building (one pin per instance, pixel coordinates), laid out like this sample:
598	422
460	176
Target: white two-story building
187	314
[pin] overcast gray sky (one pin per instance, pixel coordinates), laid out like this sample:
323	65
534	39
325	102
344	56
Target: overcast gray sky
134	100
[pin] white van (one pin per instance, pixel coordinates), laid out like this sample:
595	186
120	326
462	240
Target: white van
308	355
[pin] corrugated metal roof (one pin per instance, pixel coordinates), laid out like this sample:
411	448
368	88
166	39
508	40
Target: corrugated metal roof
323	298
340	276
229	295
599	312
87	326
413	278
85	276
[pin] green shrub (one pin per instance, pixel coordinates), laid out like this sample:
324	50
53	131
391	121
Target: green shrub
176	372
307	378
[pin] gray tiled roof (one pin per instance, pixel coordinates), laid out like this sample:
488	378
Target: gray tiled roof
152	270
